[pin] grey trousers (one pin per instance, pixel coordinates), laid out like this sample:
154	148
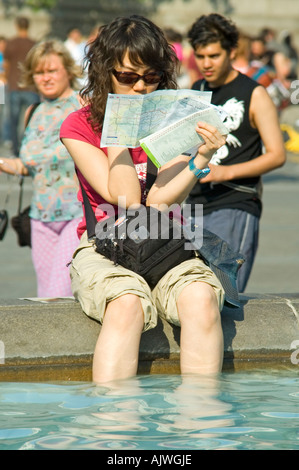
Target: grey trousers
241	231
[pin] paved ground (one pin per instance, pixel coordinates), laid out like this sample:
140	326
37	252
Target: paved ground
276	268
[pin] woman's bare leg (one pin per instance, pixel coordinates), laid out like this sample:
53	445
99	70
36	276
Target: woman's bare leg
117	348
201	330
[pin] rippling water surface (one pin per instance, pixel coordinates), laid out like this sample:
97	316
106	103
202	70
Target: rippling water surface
252	410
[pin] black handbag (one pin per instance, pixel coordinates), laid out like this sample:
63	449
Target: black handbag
146	241
128	241
21	222
4	217
3	223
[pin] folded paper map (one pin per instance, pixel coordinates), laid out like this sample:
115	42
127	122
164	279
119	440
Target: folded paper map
129	118
179	137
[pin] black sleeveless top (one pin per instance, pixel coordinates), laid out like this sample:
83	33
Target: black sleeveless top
243	144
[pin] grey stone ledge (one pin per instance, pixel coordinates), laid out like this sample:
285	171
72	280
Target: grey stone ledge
55	340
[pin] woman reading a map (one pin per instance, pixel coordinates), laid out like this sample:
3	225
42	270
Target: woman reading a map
130	56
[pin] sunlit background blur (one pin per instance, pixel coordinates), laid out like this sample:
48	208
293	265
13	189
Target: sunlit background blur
56	17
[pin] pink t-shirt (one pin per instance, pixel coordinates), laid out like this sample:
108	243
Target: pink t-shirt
76	126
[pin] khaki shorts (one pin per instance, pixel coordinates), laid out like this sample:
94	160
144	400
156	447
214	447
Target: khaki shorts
97	281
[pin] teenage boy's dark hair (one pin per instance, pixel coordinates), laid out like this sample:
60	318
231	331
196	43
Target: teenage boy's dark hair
212	28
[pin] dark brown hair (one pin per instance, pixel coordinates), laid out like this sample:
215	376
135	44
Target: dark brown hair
208	29
145	44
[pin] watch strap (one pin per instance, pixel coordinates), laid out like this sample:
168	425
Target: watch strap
198	172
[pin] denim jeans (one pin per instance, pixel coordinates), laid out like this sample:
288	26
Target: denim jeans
4	115
241	231
19	100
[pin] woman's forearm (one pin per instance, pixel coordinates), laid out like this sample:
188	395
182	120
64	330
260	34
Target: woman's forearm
111	177
13	166
122	178
175	182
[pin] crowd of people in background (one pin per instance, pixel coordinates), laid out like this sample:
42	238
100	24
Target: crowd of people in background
17	98
269	57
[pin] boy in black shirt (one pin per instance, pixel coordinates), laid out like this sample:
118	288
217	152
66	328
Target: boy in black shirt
231	193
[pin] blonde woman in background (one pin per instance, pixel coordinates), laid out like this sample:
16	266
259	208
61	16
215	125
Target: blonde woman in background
55	211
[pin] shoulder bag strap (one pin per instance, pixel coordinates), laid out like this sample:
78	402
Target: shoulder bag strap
90	217
21	180
30	114
151	174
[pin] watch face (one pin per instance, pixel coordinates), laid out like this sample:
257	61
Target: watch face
205	172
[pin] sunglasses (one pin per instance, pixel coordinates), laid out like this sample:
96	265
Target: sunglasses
130	78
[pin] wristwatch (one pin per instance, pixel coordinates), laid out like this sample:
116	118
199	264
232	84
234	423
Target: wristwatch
199	173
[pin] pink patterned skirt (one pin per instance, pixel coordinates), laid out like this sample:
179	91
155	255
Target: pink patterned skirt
53	244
